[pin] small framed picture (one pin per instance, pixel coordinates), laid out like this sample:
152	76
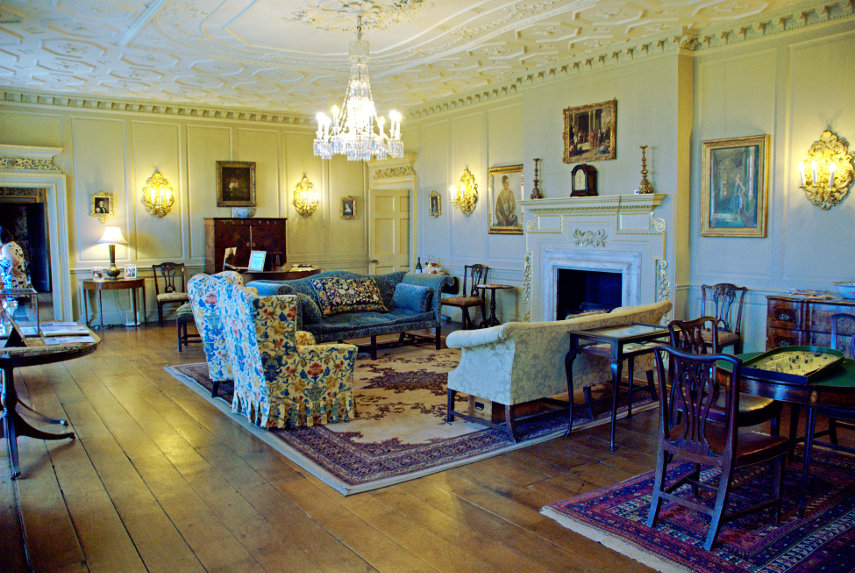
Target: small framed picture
734	176
435	204
97	273
256	260
348	207
506	190
101	205
236	184
131	272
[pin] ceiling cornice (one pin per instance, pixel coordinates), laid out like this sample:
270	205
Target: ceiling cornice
798	17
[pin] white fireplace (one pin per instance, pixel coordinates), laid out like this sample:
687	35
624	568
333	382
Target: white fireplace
612	233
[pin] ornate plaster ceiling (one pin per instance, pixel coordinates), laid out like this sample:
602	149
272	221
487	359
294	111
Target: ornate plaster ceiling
291	55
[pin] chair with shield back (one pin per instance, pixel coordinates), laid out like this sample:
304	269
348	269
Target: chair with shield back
171	275
842	327
700	337
725	301
687	435
471	296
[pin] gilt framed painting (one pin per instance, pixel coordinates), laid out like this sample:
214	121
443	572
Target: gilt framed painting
734	186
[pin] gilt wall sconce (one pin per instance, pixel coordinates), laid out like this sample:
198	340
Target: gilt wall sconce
158	196
465	193
305	197
826	173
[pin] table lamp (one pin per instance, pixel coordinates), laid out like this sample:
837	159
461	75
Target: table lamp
112	237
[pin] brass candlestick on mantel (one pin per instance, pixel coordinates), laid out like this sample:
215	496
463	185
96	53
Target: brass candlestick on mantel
535	192
644	188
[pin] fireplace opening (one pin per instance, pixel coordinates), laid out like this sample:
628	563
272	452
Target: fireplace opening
581	291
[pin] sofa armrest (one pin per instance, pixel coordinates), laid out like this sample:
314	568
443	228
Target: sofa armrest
472	338
433	282
304	338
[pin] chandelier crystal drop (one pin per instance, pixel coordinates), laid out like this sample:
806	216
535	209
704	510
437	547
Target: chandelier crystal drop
355	130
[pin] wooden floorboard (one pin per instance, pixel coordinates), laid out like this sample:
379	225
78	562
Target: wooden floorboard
160	480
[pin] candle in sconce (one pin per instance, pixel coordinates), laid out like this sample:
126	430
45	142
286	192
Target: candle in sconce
813	171
802	173
831	169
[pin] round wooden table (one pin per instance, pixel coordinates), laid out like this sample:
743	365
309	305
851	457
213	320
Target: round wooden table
14	424
492	320
112	284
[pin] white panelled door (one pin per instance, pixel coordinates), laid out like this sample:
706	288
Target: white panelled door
389	231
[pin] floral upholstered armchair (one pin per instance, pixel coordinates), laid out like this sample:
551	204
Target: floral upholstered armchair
202	289
279	383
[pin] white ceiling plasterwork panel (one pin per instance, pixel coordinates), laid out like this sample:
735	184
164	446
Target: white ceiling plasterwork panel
290	56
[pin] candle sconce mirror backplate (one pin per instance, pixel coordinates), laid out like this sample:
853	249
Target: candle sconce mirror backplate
827	172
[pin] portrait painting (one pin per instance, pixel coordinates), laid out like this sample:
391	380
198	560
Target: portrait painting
131	272
589	132
101	205
734	187
348	207
435	204
236	184
505	193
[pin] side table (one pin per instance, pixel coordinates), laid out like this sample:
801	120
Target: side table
492	320
101	285
615	343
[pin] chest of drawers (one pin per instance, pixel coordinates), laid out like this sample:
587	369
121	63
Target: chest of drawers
805	321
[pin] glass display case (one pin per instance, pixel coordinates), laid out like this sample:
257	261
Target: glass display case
22	304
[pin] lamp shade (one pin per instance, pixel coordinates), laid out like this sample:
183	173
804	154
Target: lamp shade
112	236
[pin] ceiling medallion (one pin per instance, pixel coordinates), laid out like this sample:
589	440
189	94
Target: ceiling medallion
337	15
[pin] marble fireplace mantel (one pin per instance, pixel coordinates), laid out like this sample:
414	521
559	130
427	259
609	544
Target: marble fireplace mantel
612	233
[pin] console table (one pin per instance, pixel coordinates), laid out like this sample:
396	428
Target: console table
806	321
112	284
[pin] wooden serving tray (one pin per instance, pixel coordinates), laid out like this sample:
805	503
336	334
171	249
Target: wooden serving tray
794	364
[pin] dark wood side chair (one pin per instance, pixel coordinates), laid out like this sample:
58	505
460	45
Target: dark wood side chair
471	296
725	300
837	417
172	275
684	434
700	336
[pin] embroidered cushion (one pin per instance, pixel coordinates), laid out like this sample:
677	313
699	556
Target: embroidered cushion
336	295
412	297
310	310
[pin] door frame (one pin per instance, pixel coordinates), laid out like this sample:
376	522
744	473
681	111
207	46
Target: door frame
395	174
33	167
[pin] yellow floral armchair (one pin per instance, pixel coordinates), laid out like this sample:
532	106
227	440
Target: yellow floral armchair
278	383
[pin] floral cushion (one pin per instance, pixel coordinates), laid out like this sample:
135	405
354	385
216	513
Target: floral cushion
337	295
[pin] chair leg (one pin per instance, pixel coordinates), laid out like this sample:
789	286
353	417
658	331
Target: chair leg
658	485
775	425
720	505
373	348
795	411
467	322
438	338
832	430
511	423
178	325
778	478
631	378
449	414
215	387
651	387
160	314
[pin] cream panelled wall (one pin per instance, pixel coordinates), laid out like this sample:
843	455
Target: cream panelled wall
115	152
792	88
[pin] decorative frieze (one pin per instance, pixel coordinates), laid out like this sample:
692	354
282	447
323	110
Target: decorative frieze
28	164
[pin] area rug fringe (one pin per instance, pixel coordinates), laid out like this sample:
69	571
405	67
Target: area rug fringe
345	488
623	547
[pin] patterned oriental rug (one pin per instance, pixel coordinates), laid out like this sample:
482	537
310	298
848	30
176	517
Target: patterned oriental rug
400	431
822	540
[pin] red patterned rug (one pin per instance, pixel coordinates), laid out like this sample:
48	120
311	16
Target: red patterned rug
822	540
400	431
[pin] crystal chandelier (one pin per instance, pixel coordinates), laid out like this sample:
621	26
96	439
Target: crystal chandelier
356	131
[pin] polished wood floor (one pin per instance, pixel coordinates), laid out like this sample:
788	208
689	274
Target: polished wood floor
160	480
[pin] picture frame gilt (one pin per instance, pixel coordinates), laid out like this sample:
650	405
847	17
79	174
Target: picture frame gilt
505	192
236	184
347	208
101	206
590	132
734	186
434	204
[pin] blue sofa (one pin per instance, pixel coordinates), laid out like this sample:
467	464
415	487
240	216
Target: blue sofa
412	300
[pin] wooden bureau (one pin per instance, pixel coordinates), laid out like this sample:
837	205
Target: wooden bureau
806	321
251	234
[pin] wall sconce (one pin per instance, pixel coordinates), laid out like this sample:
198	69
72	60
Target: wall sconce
827	171
465	194
158	196
305	197
112	236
